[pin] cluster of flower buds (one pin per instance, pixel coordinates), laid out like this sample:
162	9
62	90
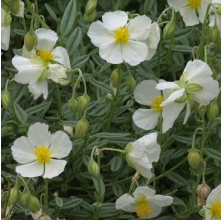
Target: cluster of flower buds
90	11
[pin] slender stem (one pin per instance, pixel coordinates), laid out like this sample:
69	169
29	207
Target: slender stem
167	9
112	149
46	195
194	137
59	100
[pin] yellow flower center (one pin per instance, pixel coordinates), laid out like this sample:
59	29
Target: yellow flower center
155	105
144	209
122	35
194	3
216	210
45	55
43	154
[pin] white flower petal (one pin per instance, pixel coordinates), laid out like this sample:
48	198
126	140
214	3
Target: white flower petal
30	170
99	34
189	16
177	4
167	85
23	150
39	135
38	88
146	119
113	20
188	110
208	93
28	54
60	145
134	52
36	215
46	39
175	95
127	203
202	10
197	69
139	28
161	200
145	92
144	190
156	210
61	55
54	168
5	37
170	114
111	52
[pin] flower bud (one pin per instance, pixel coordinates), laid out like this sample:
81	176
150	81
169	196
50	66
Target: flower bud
7	19
73	105
212	110
131	83
30	40
181	99
14	6
168	30
193	87
93	169
116	77
68	129
25	199
43	75
90	6
14	194
83	102
44	217
194	158
218	10
214	34
34	205
127	149
6	99
203	190
90	17
81	128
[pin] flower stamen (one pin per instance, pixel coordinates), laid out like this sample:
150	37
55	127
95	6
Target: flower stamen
155	105
194	3
45	55
43	154
144	209
216	210
122	35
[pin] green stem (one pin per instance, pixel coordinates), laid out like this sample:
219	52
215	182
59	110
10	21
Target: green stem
59	100
112	149
162	14
46	195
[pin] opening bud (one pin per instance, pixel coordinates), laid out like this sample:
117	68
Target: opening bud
93	169
14	6
6	99
14	195
25	199
81	128
131	83
7	19
193	87
34	205
168	30
214	34
90	6
194	158
218	11
203	190
212	110
90	17
116	77
30	40
44	217
83	102
127	149
73	105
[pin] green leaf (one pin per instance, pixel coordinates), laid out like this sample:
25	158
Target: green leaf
179	153
21	114
38	108
59	201
116	163
176	178
101	85
78	62
74	40
117	189
216	155
51	12
110	135
18	91
70	204
68	18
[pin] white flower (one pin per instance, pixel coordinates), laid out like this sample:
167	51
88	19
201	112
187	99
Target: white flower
144	202
146	94
5	29
192	11
213	205
141	153
195	84
215	16
119	40
38	68
38	151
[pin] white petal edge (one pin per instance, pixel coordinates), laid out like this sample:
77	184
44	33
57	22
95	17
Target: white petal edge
38	88
5	37
127	203
189	16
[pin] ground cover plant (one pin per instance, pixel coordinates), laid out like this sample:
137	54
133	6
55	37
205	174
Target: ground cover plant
111	109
